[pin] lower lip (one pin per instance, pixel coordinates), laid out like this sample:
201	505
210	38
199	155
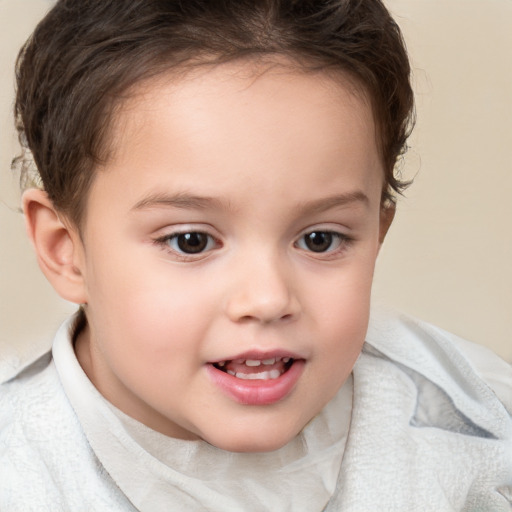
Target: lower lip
257	392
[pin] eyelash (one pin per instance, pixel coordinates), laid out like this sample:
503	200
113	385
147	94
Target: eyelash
339	240
165	242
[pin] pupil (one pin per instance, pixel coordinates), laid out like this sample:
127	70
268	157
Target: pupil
192	242
318	241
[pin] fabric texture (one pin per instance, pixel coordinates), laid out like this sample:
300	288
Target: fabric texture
422	425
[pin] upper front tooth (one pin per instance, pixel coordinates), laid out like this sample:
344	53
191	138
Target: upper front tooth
252	362
269	361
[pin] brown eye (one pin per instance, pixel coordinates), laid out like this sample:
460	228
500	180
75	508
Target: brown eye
190	243
321	241
318	241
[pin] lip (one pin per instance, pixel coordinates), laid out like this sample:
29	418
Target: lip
260	354
257	392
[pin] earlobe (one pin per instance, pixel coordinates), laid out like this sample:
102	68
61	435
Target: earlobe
387	214
58	247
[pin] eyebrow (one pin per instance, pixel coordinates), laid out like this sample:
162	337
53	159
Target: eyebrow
188	201
335	201
180	200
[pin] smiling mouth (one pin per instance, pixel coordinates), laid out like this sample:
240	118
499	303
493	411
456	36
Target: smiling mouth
256	369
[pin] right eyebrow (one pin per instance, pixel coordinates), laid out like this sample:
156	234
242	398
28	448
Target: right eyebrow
179	200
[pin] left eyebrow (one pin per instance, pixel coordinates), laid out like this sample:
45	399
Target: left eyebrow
188	201
180	200
339	200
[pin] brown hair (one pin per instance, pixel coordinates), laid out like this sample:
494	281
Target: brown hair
85	54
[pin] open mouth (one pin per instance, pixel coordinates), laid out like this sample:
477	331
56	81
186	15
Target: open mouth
257	379
256	369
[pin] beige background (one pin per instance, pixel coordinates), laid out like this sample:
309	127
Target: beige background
448	256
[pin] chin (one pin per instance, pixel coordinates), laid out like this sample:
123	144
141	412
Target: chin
252	446
253	440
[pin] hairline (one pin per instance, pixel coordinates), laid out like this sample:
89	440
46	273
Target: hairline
176	73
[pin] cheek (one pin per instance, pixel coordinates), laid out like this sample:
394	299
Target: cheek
153	308
342	298
151	337
342	317
158	318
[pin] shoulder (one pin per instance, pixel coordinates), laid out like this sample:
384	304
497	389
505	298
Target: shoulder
37	434
28	397
427	406
46	462
32	403
467	372
29	404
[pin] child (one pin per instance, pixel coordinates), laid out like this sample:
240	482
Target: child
217	180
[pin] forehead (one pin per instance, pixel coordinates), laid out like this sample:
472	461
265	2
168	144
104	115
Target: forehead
262	123
230	91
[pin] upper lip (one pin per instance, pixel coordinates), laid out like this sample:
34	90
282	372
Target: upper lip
257	355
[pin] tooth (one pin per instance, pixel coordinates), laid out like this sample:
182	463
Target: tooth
238	361
271	375
221	363
250	376
269	361
252	362
286	359
231	372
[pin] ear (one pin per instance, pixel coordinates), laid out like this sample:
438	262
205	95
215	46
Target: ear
57	244
387	214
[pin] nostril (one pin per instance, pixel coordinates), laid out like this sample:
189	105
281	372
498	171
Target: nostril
252	318
262	302
246	319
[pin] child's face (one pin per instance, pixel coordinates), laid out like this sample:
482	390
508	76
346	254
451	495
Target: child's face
238	219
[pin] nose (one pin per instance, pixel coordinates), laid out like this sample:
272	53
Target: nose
262	291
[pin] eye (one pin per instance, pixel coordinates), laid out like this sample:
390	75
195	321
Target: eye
193	242
321	241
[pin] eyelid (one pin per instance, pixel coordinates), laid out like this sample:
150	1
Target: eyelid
173	232
344	241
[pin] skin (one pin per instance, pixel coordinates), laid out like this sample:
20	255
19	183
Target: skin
255	160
